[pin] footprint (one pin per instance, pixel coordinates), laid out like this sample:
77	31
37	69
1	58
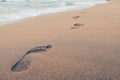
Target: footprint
77	25
76	17
24	62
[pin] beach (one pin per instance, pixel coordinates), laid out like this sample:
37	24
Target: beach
84	45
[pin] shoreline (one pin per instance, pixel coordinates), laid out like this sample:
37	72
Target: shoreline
64	10
85	45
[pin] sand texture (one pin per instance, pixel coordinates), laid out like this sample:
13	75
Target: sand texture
75	45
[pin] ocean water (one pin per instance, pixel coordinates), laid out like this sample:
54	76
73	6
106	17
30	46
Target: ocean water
12	10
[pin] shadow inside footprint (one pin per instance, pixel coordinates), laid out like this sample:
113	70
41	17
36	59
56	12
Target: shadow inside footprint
24	63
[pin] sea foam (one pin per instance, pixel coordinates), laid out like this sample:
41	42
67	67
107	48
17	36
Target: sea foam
17	10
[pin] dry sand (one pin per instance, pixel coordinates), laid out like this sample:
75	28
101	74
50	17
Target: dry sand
83	48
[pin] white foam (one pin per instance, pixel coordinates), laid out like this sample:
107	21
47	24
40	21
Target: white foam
22	12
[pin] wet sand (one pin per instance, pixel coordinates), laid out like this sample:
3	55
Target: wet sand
85	45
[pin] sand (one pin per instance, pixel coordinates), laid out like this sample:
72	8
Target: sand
83	48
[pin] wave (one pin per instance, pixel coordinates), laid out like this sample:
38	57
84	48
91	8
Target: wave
16	10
